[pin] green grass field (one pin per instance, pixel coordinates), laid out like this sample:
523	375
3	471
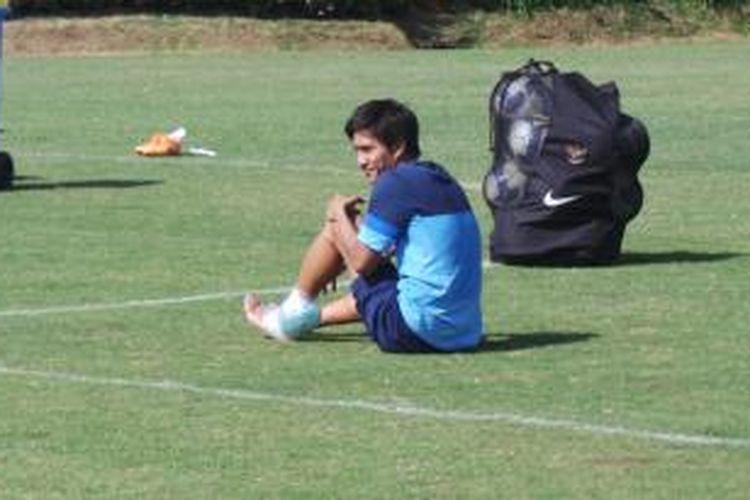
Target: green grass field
126	368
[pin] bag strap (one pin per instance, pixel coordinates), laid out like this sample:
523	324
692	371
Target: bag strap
539	67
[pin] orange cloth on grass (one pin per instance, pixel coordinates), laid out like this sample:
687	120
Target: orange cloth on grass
159	145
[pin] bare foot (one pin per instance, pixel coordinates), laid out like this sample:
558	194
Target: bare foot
264	318
253	310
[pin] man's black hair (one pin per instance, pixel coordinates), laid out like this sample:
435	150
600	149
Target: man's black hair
390	122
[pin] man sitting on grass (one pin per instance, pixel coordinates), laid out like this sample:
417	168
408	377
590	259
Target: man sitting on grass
416	253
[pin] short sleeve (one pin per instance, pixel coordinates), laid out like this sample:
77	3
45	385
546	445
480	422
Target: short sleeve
388	214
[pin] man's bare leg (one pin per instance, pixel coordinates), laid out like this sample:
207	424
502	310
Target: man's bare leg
341	311
320	266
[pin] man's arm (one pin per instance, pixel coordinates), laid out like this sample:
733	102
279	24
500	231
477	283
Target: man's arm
342	216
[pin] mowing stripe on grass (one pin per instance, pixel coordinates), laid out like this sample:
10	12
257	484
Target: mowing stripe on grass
667	437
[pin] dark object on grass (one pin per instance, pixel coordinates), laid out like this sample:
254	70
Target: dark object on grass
6	171
564	177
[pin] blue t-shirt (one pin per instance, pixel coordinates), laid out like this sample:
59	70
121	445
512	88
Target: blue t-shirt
418	212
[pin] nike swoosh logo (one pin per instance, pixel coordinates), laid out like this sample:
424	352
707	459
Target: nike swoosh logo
552	202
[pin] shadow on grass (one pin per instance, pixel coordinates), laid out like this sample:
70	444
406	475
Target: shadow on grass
492	343
535	340
324	336
638	259
39	184
27	178
673	257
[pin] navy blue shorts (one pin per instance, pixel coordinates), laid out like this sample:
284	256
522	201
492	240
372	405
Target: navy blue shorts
377	303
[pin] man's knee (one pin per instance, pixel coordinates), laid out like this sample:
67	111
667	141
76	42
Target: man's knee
327	233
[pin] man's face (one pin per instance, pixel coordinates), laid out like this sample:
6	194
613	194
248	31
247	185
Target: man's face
373	157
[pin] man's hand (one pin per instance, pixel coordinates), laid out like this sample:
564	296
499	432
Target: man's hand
342	222
342	207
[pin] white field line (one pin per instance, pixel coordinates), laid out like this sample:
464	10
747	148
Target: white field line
152	303
216	162
414	411
141	303
471	186
187	160
58	157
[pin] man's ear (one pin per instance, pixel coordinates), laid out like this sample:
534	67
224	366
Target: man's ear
399	152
